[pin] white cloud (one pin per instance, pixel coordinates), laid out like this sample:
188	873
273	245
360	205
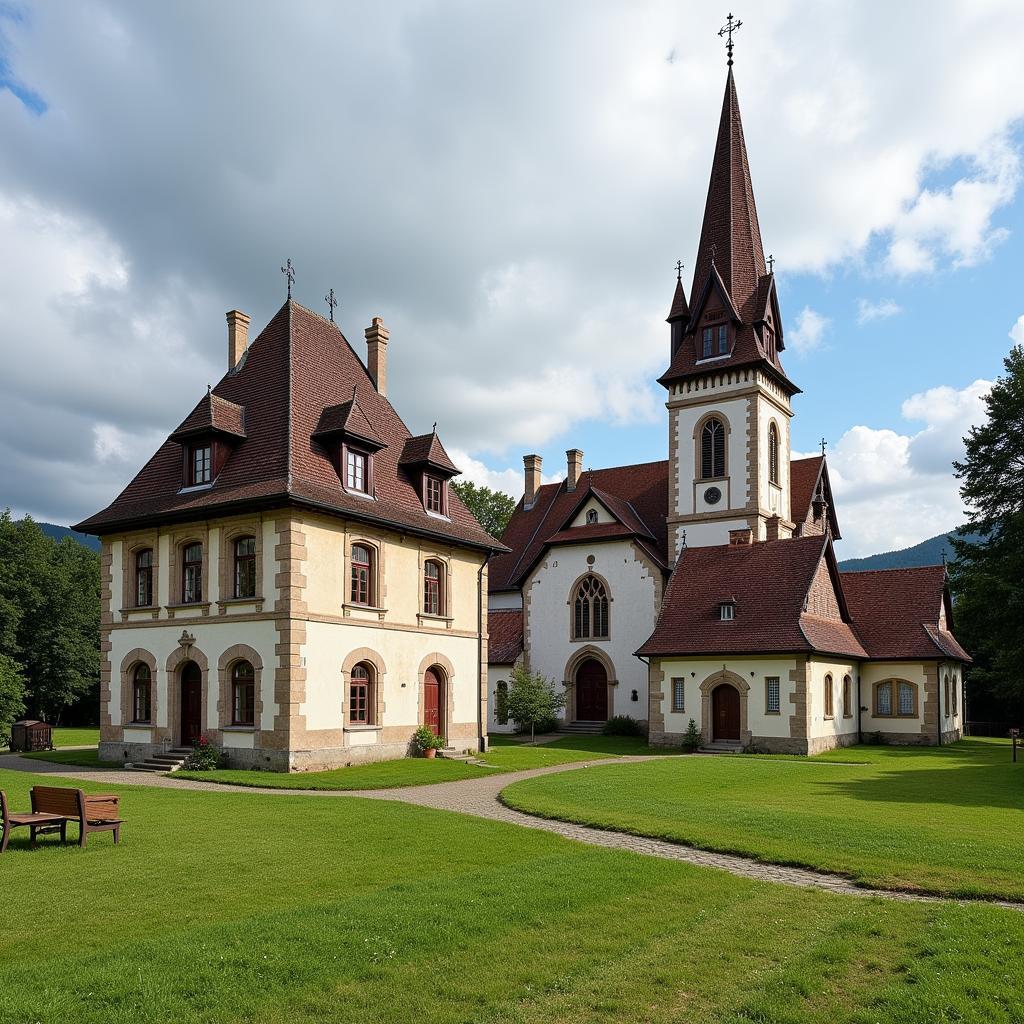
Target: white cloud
1017	331
808	331
511	481
894	489
880	310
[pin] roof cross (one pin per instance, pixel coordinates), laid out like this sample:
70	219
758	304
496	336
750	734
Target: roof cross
771	264
289	272
732	25
679	270
824	445
332	303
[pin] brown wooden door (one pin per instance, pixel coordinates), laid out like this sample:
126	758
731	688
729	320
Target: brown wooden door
191	703
725	711
433	701
591	692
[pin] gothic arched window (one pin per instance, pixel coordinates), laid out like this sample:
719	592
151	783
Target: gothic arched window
773	453
590	610
712	449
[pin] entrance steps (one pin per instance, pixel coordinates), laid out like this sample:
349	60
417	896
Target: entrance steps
169	761
582	728
721	747
451	754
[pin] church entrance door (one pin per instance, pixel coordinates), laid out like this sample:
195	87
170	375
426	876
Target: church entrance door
725	712
591	692
191	682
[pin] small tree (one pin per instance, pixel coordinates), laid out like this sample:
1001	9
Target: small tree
532	698
493	509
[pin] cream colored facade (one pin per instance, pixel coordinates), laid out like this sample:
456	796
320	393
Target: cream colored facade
302	635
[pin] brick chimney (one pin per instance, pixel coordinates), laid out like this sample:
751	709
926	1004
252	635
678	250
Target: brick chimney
574	467
531	463
737	538
238	336
377	354
772	528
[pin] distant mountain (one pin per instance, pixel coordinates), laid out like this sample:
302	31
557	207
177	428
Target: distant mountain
928	552
59	532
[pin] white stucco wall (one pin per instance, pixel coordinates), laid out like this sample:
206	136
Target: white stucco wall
774	498
874	672
840	724
632	612
505	599
496	673
592	505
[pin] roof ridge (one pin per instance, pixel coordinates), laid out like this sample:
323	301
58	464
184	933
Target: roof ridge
892	568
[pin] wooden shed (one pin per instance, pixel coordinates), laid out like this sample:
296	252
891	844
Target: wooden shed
29	734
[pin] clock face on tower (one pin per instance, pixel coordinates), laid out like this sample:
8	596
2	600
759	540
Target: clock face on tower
712	495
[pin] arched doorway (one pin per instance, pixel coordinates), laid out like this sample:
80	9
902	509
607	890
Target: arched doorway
434	700
725	713
591	691
190	678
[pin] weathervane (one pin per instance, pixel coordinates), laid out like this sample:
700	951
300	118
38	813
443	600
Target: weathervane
679	270
824	445
731	25
771	264
289	272
332	303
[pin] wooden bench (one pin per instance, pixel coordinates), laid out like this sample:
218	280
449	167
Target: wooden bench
95	813
35	823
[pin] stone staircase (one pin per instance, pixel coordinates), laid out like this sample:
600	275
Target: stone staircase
582	728
169	761
721	747
451	754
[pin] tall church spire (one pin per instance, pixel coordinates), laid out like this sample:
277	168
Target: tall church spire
730	237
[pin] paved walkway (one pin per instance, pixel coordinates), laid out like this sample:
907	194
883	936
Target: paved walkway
479	797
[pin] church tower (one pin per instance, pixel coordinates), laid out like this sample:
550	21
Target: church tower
728	396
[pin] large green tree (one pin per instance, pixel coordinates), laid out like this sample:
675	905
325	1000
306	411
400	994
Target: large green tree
988	576
49	617
493	509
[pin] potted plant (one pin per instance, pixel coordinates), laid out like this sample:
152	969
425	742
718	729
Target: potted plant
426	742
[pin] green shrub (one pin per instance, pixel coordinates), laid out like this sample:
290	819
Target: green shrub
623	725
425	739
205	756
692	738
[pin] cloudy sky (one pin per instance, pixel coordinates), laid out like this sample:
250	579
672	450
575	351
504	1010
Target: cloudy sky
508	184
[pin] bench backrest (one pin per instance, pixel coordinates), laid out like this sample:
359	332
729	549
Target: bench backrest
57	800
3	806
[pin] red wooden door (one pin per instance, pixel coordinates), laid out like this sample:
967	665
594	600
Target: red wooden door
591	692
725	712
191	703
433	701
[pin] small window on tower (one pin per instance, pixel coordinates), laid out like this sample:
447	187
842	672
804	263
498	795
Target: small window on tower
708	339
723	340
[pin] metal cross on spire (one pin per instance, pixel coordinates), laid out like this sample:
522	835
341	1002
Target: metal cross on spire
731	25
824	445
332	303
289	272
771	264
679	270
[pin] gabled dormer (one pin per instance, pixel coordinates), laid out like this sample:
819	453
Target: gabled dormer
430	470
208	436
713	321
351	443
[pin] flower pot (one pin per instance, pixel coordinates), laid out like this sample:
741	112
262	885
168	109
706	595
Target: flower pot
430	752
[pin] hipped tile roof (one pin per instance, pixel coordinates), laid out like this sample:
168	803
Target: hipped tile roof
300	365
505	636
427	450
213	415
349	420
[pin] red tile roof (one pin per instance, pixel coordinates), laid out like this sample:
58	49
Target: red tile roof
804	477
427	450
214	415
769	581
300	365
636	495
349	420
897	613
505	640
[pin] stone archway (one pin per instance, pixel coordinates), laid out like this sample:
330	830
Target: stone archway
185	654
570	680
725	701
437	675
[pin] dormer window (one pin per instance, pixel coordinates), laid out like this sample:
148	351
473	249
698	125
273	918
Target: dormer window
201	462
709	340
357	475
591	516
727	611
723	340
433	494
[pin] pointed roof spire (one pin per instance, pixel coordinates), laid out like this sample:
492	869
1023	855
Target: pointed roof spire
730	236
680	308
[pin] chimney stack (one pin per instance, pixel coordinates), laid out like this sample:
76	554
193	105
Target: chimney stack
772	531
574	467
377	354
531	463
741	538
238	336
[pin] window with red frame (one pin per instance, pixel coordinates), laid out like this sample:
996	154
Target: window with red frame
192	574
201	465
243	694
144	578
362	574
434	490
245	567
433	588
359	695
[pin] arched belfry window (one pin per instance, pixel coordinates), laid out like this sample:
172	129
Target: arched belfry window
590	610
773	453
712	449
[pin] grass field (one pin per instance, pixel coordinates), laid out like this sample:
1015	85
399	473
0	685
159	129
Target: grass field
504	755
85	758
72	738
945	820
240	907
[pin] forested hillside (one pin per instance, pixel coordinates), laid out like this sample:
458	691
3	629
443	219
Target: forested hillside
928	552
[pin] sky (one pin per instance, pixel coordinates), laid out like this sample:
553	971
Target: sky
509	185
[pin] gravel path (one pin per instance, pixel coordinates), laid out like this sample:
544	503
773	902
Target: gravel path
479	798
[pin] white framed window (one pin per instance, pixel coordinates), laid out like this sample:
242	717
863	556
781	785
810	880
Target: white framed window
355	471
727	611
771	695
678	694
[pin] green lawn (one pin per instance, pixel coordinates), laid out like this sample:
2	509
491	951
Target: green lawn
505	754
85	758
946	820
241	907
71	738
